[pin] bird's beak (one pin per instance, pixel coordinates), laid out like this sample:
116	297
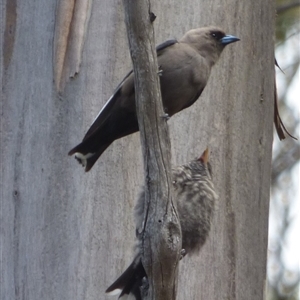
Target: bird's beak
228	39
205	156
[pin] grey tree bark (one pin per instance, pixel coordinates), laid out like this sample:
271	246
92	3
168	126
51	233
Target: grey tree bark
68	235
161	235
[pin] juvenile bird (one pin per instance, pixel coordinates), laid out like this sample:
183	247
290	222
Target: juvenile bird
185	67
195	196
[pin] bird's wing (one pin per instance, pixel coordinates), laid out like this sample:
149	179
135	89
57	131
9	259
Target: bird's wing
165	45
107	108
130	281
104	113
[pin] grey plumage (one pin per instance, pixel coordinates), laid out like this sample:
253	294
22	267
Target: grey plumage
185	68
195	196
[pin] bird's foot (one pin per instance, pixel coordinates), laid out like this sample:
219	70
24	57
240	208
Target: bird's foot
160	71
145	286
165	116
182	254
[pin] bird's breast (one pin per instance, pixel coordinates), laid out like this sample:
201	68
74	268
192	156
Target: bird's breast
184	75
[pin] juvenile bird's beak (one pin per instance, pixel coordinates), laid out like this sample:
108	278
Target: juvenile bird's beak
205	156
228	39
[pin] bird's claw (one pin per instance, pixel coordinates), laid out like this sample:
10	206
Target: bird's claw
165	116
182	254
160	71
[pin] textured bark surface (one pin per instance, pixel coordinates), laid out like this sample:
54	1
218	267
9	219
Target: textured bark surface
66	234
161	237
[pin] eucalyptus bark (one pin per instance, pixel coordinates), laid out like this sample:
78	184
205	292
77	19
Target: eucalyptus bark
161	235
66	234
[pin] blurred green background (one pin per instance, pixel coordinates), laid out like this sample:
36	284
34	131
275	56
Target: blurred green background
284	220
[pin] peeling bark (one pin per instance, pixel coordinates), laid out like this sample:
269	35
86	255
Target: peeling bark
72	19
9	31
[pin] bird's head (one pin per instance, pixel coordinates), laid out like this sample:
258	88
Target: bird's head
208	41
195	170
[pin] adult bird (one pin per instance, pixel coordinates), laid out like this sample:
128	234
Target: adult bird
195	197
185	66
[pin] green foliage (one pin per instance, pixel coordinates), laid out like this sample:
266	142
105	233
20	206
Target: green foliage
287	18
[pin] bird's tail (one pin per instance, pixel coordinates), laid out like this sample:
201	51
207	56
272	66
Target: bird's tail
129	283
85	157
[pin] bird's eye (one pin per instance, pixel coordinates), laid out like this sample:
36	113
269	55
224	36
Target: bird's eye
217	35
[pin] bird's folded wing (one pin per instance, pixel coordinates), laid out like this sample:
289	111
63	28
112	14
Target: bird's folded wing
107	108
165	45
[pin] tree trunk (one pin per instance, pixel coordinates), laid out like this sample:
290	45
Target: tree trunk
66	234
161	235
